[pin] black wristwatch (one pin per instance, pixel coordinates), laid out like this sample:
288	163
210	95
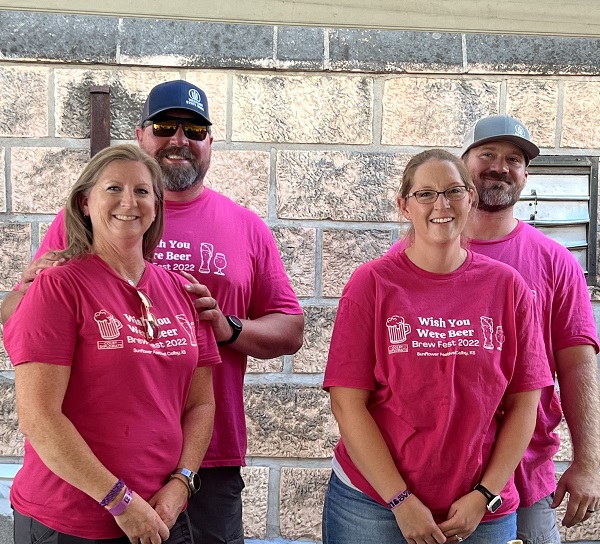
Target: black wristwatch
236	326
193	479
493	501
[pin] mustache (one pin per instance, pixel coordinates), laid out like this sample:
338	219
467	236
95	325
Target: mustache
498	177
183	152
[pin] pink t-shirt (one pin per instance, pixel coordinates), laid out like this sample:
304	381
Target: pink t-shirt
125	396
232	251
564	310
438	352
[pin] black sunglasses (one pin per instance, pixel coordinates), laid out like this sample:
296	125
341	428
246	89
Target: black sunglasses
166	128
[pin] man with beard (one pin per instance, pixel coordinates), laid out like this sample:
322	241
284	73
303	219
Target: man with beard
497	151
243	291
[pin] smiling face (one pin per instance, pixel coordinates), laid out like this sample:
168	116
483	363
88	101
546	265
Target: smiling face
498	171
442	221
121	205
184	162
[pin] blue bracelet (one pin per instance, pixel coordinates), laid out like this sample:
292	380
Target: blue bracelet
112	494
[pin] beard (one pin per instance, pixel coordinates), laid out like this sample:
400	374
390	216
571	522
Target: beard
181	177
497	191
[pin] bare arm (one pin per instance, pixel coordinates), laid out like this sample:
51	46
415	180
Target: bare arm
40	390
29	274
266	337
577	372
513	437
372	457
197	423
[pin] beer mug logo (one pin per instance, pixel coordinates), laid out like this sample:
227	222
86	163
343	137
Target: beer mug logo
108	324
398	330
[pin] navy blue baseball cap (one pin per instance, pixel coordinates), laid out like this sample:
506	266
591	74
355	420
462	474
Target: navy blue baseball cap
175	95
503	128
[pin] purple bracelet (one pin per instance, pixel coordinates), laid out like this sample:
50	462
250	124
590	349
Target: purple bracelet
398	499
110	496
120	507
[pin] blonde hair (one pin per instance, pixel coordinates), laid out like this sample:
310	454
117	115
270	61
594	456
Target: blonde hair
80	236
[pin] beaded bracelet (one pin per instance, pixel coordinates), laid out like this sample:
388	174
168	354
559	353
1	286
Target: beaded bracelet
398	499
111	495
122	505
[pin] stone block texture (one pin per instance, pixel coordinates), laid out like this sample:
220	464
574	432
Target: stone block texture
41	177
435	112
11	440
15	243
311	109
24	102
345	250
255	501
312	129
302	496
289	421
243	176
318	326
337	185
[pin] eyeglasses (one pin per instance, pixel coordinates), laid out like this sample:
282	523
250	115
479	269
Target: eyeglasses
149	319
427	196
168	127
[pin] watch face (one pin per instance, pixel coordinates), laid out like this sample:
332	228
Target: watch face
235	322
494	504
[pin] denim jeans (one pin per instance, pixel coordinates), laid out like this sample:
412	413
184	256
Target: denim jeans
536	524
351	517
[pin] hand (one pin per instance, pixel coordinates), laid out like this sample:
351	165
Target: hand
583	486
416	522
464	516
169	500
141	523
45	261
208	308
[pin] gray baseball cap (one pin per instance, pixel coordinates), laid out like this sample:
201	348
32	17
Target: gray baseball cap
503	128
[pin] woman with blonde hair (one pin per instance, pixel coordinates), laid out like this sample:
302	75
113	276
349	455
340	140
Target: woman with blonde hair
112	372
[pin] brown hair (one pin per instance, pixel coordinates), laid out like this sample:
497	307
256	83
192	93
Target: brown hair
408	177
80	236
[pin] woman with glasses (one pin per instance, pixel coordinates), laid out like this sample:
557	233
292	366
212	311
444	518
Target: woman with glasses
434	372
113	372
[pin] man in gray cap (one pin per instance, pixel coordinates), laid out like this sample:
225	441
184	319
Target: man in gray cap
243	291
497	151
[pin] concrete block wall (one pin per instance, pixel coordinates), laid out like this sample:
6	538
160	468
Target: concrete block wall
312	128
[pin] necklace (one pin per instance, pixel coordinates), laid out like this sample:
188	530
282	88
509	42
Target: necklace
134	282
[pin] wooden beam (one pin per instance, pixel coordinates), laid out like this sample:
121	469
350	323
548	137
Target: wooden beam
543	17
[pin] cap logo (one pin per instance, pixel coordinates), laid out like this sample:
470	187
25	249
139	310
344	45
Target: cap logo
520	131
195	99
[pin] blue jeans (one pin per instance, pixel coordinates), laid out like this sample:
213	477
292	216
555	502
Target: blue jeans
351	517
536	524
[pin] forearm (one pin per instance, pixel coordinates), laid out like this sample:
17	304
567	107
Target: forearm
9	304
514	435
577	372
368	449
64	451
270	336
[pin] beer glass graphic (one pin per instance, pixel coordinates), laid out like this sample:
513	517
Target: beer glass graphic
397	329
206	253
487	327
220	262
107	323
187	327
